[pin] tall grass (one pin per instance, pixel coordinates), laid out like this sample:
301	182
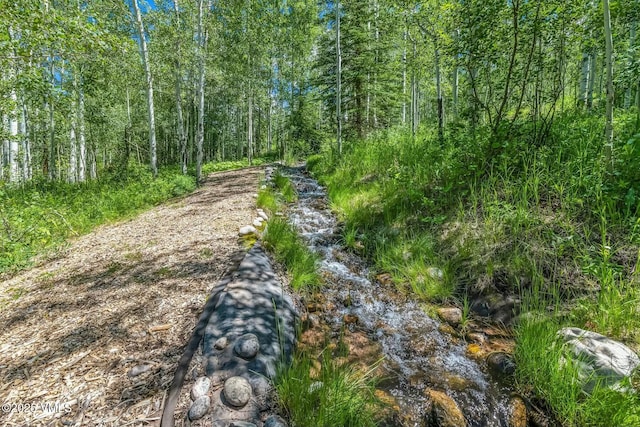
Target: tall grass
289	249
544	220
336	396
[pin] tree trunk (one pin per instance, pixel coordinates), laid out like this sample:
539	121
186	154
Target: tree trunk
414	95
250	128
149	80
404	76
73	149
182	137
454	89
632	39
200	91
14	150
82	142
339	79
608	148
584	80
439	95
592	79
4	148
27	171
269	130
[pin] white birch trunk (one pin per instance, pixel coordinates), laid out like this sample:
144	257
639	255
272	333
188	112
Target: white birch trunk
82	142
269	130
27	172
250	128
14	150
200	92
592	79
632	39
584	79
182	137
339	79
73	160
149	80
4	148
608	148
404	76
439	95
454	89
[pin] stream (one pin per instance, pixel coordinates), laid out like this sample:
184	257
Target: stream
415	351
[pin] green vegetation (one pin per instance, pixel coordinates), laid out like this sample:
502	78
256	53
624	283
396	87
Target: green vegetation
282	239
41	215
211	167
289	249
547	223
548	371
334	396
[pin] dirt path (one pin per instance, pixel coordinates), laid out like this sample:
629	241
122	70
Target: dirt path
125	296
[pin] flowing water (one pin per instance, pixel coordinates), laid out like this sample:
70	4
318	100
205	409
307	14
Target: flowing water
415	351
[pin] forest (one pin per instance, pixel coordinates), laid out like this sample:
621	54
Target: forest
496	143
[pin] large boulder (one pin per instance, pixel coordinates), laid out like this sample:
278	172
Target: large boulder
599	358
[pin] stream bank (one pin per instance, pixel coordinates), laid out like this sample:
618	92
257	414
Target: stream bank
432	373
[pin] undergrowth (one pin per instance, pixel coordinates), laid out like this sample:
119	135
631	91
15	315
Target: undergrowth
475	215
339	395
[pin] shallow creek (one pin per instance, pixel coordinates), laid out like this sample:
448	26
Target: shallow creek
416	353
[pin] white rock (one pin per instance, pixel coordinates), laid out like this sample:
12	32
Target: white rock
199	408
247	230
263	215
200	388
258	222
247	346
221	343
435	273
599	358
237	391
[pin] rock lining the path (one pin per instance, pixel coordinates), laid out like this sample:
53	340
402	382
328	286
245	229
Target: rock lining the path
248	334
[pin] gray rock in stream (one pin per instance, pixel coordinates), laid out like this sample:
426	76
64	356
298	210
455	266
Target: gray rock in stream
599	358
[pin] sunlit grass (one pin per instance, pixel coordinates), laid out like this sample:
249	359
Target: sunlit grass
337	395
543	220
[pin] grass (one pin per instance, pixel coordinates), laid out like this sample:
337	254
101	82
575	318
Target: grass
549	372
337	395
281	238
311	396
544	221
